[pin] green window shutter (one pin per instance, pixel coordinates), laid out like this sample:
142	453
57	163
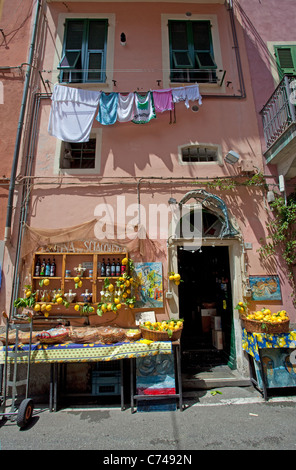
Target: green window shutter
84	52
191	51
286	59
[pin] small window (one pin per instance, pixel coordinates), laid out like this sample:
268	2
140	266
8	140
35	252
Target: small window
84	51
79	155
199	154
191	52
286	59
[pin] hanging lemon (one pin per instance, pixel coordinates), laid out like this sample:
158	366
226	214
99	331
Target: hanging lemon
37	307
46	282
124	261
77	307
118	306
59	300
76	279
48	308
177	277
43	307
111	288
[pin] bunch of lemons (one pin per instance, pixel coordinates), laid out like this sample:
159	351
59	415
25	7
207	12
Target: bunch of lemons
175	277
265	315
165	325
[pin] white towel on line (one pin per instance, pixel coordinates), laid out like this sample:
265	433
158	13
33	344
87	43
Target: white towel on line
126	107
72	113
187	93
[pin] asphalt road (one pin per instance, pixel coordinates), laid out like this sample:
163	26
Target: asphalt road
235	419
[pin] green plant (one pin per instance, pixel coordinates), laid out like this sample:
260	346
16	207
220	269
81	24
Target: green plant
282	233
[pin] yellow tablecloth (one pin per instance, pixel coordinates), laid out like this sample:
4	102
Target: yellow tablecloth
252	342
70	352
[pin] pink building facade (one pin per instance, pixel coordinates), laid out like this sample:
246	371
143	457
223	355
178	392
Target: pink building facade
134	176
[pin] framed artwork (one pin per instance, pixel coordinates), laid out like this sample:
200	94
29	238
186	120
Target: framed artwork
149	285
265	287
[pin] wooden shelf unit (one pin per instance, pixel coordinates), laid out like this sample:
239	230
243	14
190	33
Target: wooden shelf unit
68	261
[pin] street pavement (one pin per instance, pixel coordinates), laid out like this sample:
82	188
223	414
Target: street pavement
229	418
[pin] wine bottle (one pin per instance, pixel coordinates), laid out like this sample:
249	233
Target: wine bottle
47	268
53	268
37	267
42	268
118	268
103	268
108	268
113	268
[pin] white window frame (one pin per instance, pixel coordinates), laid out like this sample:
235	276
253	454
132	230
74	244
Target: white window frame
95	133
210	146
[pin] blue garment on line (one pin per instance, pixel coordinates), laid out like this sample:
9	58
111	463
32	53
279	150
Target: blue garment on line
107	108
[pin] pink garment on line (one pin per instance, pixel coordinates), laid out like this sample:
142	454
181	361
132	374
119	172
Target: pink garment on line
163	100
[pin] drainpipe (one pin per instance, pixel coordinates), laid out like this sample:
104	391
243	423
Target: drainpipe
7	233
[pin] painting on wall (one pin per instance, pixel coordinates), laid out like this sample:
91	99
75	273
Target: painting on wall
149	285
265	288
277	368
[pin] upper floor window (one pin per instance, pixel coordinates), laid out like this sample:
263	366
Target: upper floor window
191	52
84	51
286	59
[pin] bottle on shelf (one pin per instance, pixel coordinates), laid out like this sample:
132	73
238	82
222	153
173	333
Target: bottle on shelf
42	268
108	268
103	268
37	267
118	268
113	268
53	268
47	268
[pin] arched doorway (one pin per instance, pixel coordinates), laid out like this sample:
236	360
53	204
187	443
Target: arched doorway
205	297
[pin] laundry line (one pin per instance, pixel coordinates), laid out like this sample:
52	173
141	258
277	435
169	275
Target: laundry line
73	110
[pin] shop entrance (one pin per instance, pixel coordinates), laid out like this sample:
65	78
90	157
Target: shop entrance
205	304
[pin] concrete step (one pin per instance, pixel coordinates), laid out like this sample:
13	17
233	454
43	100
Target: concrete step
213	377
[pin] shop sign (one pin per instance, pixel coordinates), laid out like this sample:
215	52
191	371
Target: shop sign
83	246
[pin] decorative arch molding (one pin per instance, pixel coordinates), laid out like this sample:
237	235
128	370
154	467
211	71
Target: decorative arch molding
217	206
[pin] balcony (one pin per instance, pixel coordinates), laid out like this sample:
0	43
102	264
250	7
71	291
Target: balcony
279	123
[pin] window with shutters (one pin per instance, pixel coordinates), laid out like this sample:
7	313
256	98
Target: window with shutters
191	52
286	59
84	51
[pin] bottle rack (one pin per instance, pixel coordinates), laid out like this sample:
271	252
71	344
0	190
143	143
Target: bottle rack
67	262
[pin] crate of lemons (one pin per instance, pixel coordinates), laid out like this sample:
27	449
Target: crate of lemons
264	320
162	330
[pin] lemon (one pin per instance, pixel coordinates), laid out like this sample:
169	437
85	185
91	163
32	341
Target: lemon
124	261
28	293
124	295
77	307
46	314
46	282
177	277
118	306
131	305
171	277
266	311
48	308
177	283
241	304
80	284
43	307
110	287
128	291
109	307
127	283
76	279
37	307
59	300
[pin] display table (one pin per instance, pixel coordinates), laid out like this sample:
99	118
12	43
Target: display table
64	353
270	357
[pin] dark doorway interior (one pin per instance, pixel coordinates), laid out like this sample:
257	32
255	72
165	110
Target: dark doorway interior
206	290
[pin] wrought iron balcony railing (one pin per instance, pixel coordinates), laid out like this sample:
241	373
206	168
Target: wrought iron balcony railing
279	112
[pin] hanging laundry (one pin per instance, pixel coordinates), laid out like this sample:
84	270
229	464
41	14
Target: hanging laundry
126	107
108	108
187	93
163	100
144	108
72	113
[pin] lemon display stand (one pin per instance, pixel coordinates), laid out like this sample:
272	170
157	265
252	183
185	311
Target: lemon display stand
272	360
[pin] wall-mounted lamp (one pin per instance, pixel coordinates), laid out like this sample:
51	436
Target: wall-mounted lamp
123	39
172	200
232	157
